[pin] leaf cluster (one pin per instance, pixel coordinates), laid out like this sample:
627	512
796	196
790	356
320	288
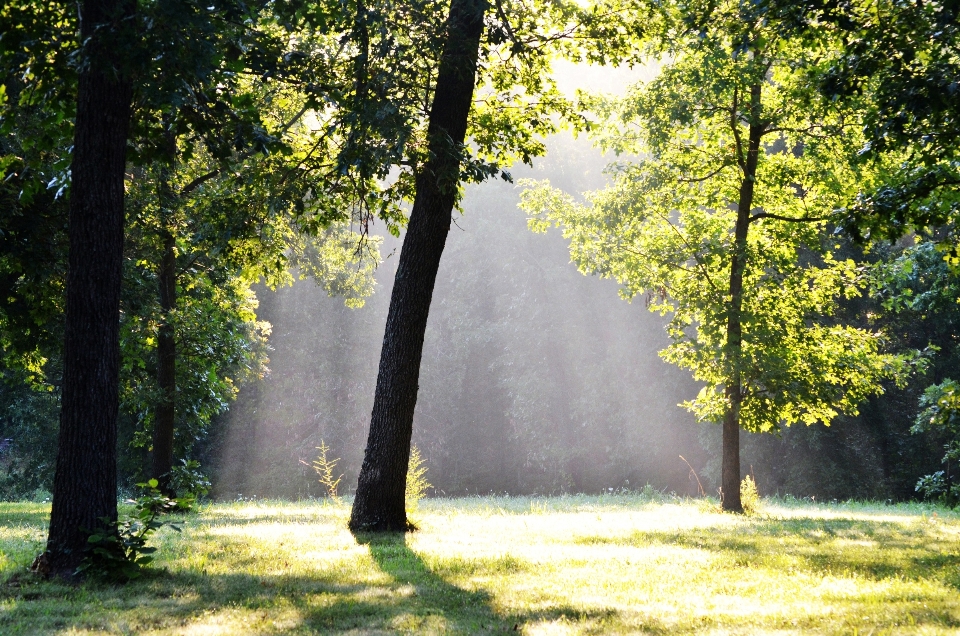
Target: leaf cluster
665	227
118	550
901	61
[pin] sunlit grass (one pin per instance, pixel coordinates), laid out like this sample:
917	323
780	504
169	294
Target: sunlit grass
564	565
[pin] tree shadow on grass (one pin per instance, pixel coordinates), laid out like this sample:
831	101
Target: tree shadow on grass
873	549
25	514
438	603
411	598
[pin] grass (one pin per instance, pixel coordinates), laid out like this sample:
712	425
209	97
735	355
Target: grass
566	565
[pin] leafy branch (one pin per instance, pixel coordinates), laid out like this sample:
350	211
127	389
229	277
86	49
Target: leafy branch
118	550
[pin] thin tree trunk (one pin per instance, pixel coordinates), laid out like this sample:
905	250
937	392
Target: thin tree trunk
164	418
379	504
85	482
165	415
730	472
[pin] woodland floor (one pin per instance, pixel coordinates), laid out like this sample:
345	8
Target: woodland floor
564	565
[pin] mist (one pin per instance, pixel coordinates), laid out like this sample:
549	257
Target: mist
535	378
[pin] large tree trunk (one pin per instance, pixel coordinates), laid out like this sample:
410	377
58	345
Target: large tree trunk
85	483
379	503
730	471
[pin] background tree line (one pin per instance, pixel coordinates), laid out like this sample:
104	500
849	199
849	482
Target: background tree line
162	157
521	336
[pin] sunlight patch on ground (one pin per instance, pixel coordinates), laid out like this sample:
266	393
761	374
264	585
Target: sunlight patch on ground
565	565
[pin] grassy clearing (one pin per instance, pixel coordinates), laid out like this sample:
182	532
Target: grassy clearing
590	565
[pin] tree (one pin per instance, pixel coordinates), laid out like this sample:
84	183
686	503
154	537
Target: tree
903	58
918	289
502	126
201	49
204	246
900	61
85	480
941	404
379	502
723	223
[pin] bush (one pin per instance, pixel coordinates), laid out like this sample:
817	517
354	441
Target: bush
417	484
749	497
119	549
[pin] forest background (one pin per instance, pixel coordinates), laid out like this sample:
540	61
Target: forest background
535	379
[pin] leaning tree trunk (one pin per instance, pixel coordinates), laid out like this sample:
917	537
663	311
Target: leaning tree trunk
85	482
379	503
165	414
730	472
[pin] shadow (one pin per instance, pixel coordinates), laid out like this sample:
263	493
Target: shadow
870	549
410	597
461	610
388	587
24	514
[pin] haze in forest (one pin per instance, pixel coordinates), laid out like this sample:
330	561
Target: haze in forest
535	378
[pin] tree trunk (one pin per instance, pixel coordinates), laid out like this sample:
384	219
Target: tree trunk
379	503
730	472
163	423
165	415
85	483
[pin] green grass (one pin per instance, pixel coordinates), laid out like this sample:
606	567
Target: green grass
577	565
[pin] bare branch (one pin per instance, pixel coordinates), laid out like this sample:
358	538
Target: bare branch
723	167
791	219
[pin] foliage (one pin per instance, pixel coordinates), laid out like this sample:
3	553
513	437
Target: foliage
28	437
901	61
242	207
119	549
221	344
749	497
190	481
324	467
917	291
417	484
941	413
33	245
665	227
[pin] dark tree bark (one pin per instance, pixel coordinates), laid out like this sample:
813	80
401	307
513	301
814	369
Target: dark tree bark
85	482
730	471
165	415
379	504
163	424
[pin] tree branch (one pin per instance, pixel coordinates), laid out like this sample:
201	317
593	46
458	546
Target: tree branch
792	219
723	167
199	181
735	126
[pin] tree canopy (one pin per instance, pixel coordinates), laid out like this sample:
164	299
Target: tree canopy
722	220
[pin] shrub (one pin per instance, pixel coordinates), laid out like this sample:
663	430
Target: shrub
749	497
119	550
324	467
417	484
